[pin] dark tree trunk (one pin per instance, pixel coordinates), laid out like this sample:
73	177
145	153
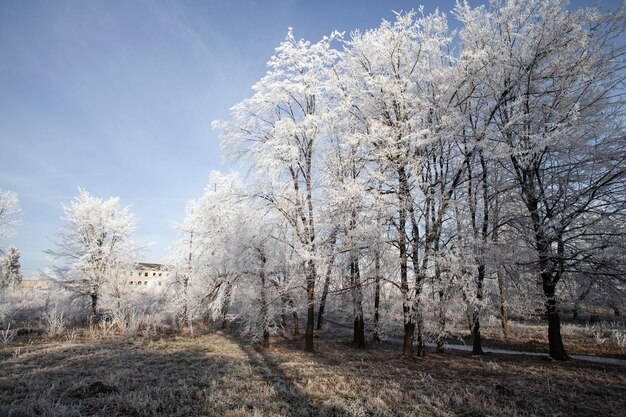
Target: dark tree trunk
551	265
477	343
477	348
376	336
357	300
93	314
555	341
322	309
409	332
329	270
359	332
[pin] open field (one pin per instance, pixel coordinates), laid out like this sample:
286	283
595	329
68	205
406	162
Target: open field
217	374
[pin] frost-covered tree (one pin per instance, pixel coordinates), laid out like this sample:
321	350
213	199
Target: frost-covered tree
94	247
279	130
238	255
9	209
207	258
415	160
10	268
402	88
555	78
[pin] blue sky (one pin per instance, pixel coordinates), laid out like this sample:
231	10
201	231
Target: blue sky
117	97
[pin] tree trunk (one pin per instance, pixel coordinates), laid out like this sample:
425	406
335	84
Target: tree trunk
477	343
441	321
549	274
312	272
409	323
94	309
376	336
504	309
357	301
409	332
555	341
329	270
310	292
321	311
477	348
421	344
359	332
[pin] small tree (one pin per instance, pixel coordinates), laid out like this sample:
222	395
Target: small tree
93	246
10	268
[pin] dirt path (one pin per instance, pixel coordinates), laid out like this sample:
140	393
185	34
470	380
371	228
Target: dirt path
468	348
585	358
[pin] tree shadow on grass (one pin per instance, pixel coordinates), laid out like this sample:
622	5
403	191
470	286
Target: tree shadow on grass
117	378
292	400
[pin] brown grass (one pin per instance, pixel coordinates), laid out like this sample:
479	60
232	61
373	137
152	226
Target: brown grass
533	337
216	374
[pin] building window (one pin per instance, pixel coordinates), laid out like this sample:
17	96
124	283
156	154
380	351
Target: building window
139	273
145	283
146	274
159	283
160	273
154	274
130	282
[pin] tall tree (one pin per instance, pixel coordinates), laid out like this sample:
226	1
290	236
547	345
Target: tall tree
399	87
556	77
280	129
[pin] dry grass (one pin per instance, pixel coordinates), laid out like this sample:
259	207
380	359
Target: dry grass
216	374
596	339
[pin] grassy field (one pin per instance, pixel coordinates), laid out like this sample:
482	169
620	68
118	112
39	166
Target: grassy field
218	374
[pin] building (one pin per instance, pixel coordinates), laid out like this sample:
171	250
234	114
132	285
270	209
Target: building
143	277
149	276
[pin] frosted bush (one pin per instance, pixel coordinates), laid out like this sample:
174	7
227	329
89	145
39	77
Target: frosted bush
7	335
54	321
